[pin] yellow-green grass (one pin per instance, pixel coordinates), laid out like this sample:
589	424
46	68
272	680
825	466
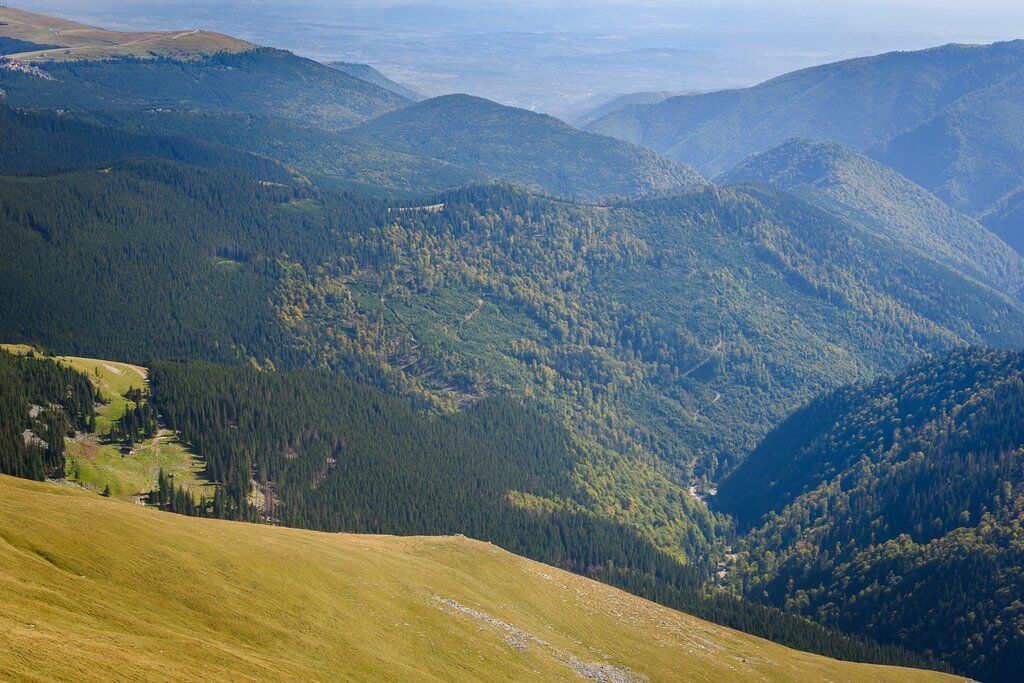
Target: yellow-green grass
113	380
96	464
79	41
97	589
100	466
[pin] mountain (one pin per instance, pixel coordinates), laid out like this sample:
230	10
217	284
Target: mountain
647	326
894	509
534	150
281	603
253	80
36	37
365	72
600	106
324	457
326	157
857	102
969	154
838	178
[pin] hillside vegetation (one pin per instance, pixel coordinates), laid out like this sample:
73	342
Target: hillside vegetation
109	443
95	589
856	102
533	150
336	455
969	154
258	81
895	509
635	324
948	118
835	177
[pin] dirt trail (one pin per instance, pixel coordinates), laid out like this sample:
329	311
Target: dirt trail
714	349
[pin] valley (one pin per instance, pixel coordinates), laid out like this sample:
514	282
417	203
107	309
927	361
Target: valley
328	378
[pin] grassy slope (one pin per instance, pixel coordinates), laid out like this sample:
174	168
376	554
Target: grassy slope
94	588
79	41
95	464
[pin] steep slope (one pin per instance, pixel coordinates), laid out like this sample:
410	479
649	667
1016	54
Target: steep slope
325	157
646	327
258	81
1006	218
324	456
95	589
972	153
856	102
365	72
896	509
44	38
534	150
838	178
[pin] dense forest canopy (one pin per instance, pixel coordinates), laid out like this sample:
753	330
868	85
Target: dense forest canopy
40	403
894	508
372	315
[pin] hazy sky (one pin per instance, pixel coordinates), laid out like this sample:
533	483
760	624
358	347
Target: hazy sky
557	56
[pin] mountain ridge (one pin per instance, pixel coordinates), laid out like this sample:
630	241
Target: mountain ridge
837	177
859	102
488	137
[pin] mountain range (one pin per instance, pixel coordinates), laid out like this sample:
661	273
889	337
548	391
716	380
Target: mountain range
246	285
946	118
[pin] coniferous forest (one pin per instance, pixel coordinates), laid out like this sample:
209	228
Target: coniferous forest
786	398
41	403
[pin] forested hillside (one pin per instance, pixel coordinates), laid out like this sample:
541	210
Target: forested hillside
40	402
336	455
837	178
327	158
636	324
259	81
367	314
970	154
533	150
37	143
947	118
323	452
857	102
894	509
